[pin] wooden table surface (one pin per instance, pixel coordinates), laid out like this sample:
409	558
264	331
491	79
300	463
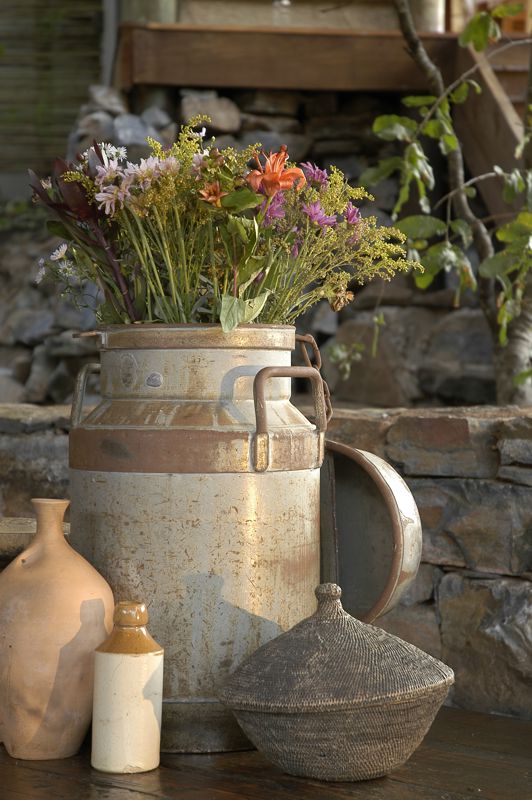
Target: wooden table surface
465	755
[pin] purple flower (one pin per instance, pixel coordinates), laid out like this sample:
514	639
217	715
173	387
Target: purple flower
352	214
315	213
314	173
274	210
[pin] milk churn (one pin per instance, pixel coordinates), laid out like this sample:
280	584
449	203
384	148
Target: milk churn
195	485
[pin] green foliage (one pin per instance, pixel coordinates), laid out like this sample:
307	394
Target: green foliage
441	244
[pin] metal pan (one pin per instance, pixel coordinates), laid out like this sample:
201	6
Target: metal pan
370	530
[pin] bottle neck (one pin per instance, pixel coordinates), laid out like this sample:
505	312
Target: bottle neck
50	514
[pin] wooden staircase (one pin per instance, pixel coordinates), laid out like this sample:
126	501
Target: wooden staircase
511	68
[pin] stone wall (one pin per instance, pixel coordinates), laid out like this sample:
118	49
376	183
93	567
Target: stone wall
470	471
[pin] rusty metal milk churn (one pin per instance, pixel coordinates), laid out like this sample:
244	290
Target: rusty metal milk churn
195	486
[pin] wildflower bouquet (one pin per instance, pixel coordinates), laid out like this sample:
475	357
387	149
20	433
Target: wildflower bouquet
193	234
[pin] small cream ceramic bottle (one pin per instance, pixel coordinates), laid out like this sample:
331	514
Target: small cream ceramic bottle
128	684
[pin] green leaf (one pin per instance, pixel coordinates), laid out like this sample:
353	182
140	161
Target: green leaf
419	165
448	143
235	226
513	232
470	191
383	170
476	86
241	199
255	305
249	271
462	229
57	228
506	10
232	312
433	128
522	377
460	93
424	279
480	31
393	127
421	226
414	101
497	265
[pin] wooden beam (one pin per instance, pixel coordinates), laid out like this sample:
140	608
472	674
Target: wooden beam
272	58
489	128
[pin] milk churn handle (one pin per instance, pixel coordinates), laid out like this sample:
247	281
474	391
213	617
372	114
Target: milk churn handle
320	411
79	392
307	338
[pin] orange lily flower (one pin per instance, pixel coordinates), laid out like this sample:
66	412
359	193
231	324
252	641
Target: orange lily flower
212	193
273	177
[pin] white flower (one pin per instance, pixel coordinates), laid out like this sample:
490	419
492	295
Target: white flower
40	272
46	183
66	268
60	252
108	198
199	134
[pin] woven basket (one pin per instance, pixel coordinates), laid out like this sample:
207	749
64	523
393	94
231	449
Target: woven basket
336	699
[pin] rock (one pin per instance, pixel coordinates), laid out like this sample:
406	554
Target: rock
26	418
42	366
415	624
224	114
386	193
97	125
262	101
11	391
168	134
20	368
458	363
68	316
516	474
351	165
32	466
422	589
28	326
319	104
515	441
68	345
61	384
156	117
275	123
389	379
226	140
132	130
328	150
398	292
486	628
340	126
364	429
482	525
298	145
457	443
108	99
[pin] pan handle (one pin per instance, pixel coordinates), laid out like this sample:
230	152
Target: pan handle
262	437
79	392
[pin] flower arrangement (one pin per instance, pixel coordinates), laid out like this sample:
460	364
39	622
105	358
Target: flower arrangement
196	234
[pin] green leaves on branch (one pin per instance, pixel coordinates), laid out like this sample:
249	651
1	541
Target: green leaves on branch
482	29
421	226
392	127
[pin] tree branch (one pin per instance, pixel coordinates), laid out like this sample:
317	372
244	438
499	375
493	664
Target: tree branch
455	159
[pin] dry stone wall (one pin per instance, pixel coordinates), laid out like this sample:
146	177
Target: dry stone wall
470	471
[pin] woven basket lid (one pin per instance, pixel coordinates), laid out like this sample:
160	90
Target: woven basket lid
332	661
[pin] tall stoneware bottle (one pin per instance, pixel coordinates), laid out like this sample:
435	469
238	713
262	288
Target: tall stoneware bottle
55	609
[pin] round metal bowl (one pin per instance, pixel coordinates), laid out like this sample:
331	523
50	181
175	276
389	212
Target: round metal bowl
370	531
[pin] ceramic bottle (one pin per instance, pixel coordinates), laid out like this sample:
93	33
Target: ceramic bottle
128	695
55	609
